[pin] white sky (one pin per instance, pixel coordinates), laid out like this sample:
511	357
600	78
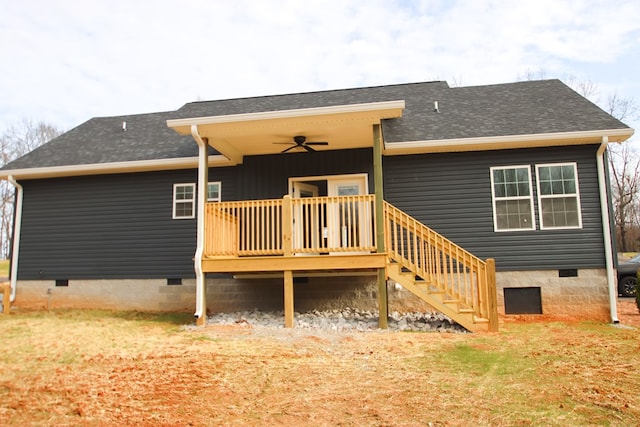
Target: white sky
66	61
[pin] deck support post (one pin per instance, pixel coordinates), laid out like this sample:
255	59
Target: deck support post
288	299
287	234
383	301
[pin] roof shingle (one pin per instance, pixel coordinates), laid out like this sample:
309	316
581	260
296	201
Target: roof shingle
530	107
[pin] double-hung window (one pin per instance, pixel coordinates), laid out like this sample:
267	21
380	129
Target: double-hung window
213	192
184	201
512	198
184	198
558	197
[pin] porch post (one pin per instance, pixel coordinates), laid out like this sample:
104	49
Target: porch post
203	180
383	301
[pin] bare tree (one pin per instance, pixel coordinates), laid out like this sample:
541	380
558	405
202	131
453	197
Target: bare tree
622	108
625	167
529	75
18	140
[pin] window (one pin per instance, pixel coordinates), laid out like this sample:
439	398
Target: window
512	198
213	192
184	198
184	201
558	198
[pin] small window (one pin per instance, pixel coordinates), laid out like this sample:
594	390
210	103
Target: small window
184	201
213	192
558	198
512	198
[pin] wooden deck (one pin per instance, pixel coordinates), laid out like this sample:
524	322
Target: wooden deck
339	233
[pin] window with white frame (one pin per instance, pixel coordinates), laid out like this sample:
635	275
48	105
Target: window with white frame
184	198
512	198
213	192
558	196
184	201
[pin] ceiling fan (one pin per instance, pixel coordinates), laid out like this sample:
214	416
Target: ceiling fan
300	141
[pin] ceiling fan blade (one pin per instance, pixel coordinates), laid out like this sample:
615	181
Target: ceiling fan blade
306	147
317	143
289	149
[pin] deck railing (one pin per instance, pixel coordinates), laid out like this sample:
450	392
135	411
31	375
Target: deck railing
441	263
311	225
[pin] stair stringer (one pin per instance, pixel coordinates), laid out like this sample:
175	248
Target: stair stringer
439	300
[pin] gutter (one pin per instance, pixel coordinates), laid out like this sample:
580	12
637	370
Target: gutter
606	231
15	240
203	178
506	142
112	168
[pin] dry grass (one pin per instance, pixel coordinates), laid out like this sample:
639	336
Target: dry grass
4	268
118	369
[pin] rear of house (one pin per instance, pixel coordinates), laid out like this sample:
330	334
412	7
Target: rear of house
184	209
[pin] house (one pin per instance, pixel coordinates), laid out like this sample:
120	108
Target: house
473	200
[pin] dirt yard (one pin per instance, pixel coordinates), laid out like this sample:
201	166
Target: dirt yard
80	368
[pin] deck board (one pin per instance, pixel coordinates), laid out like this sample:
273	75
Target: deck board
294	263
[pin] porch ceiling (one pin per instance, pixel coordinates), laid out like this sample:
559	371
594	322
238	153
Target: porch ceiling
239	135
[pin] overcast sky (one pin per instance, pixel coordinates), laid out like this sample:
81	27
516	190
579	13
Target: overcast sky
66	61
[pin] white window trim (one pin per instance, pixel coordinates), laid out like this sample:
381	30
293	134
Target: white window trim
576	195
530	197
193	200
219	198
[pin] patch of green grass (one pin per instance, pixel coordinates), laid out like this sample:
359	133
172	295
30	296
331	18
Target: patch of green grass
481	361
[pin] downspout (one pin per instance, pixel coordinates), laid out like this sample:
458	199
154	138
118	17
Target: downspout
17	226
606	230
203	179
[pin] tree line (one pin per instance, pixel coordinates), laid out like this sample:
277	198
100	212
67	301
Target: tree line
17	140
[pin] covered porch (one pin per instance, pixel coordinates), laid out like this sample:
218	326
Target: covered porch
304	232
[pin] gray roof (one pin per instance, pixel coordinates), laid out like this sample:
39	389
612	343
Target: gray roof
530	107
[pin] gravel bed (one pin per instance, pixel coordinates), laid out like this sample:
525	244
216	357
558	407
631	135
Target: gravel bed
341	320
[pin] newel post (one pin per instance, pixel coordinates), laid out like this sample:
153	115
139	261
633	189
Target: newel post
492	298
287	232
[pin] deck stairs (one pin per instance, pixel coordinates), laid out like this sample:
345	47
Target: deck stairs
441	273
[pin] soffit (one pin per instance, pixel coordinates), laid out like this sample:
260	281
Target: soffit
343	127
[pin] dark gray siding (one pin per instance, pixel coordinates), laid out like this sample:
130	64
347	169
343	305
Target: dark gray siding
268	176
452	194
106	226
121	226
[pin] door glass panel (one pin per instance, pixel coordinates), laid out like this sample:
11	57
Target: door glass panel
347	227
348	190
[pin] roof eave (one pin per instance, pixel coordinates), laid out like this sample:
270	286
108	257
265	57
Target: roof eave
111	168
506	142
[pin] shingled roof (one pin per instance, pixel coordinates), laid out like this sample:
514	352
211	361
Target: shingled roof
522	108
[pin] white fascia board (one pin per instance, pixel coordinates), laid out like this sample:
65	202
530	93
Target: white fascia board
508	141
393	107
112	168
